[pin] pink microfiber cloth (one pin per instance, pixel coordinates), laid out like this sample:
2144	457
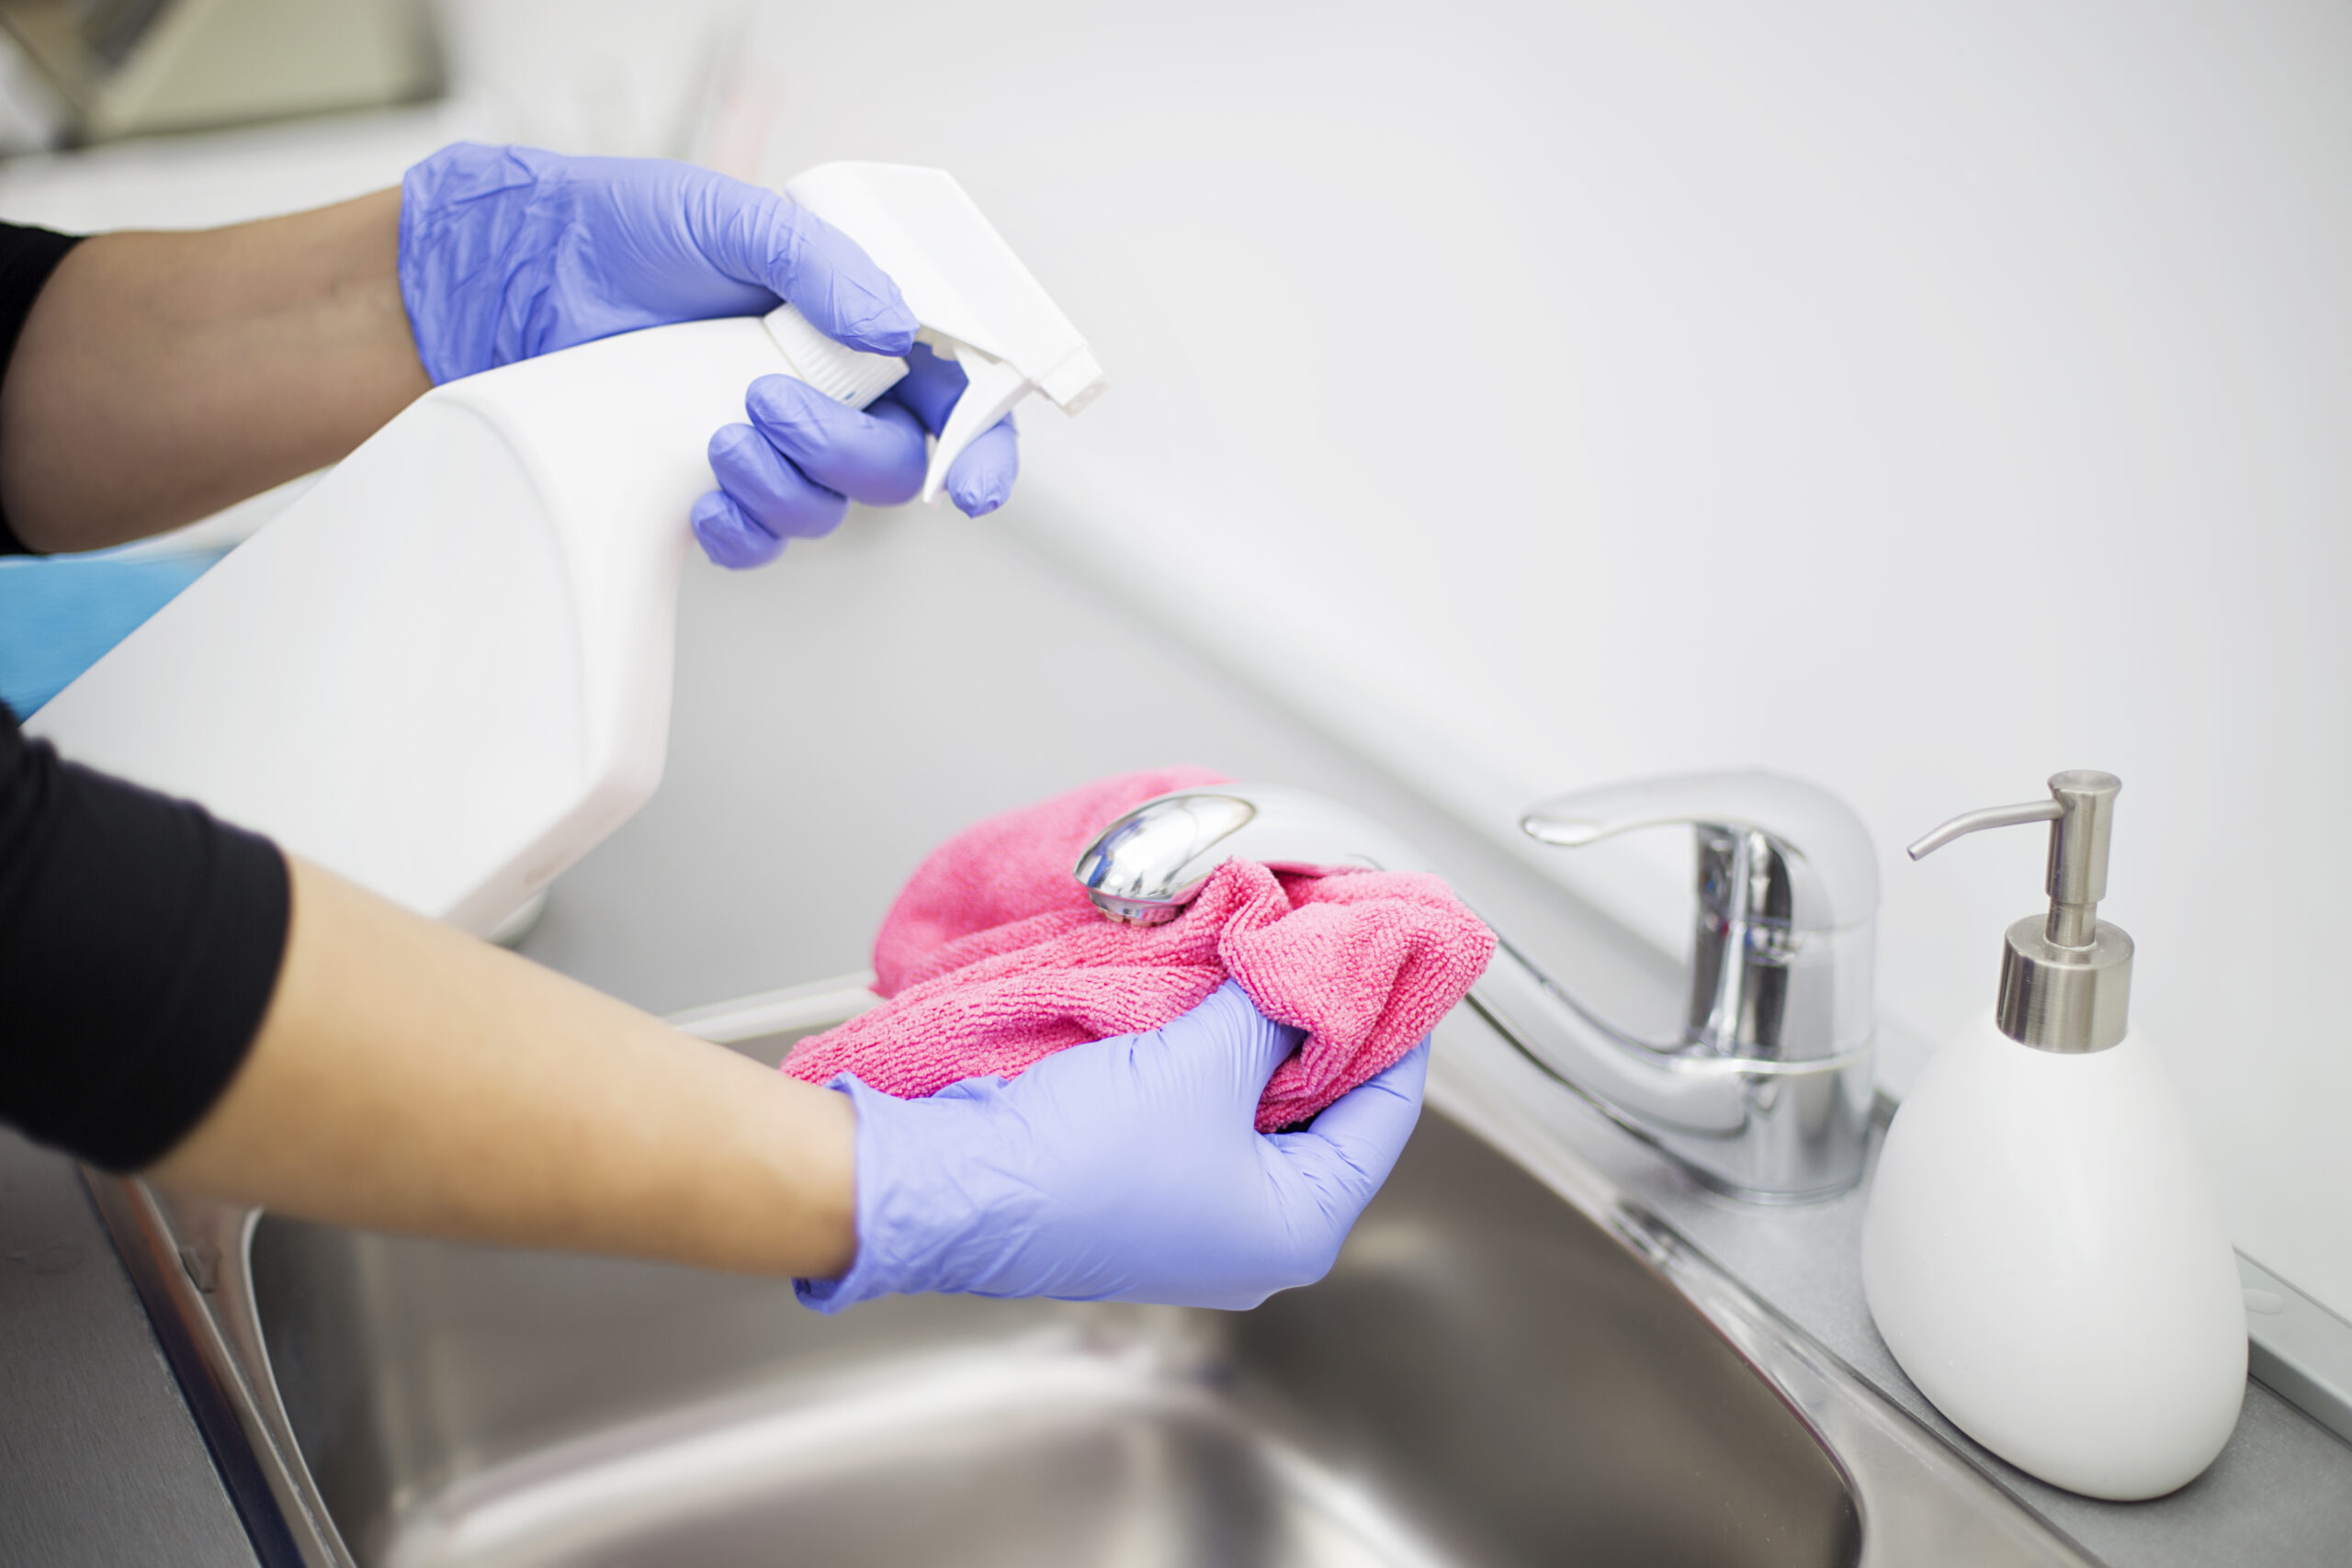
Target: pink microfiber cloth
992	959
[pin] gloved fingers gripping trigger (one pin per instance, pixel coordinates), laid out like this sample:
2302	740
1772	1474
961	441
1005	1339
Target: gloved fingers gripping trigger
769	488
980	479
729	538
876	456
930	386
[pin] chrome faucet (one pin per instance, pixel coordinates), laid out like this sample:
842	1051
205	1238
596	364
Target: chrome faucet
1766	1095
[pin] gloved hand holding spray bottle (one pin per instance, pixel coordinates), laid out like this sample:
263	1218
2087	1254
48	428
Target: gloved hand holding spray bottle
445	672
509	253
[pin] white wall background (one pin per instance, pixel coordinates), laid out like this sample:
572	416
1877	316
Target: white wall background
1918	398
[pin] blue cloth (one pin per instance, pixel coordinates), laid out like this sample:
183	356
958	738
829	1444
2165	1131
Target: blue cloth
1130	1170
59	614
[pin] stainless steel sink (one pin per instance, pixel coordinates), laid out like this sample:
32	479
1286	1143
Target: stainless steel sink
1527	1354
1486	1378
1509	1365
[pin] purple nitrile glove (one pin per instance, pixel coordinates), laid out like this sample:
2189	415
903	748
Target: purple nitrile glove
1124	1170
508	253
793	470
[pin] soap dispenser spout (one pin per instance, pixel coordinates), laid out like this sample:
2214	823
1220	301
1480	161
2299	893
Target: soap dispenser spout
2066	987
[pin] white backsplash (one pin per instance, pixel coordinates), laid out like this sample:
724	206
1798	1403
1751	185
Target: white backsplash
1920	402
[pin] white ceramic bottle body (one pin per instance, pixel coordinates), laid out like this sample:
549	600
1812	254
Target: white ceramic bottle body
2045	1258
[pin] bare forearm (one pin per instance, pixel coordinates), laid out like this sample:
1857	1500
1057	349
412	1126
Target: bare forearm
163	376
408	1078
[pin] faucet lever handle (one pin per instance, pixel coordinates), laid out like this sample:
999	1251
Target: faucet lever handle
1787	885
1804	823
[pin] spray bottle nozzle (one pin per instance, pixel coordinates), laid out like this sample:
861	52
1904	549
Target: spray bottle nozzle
977	303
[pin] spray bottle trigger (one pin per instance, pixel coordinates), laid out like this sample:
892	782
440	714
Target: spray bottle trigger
991	388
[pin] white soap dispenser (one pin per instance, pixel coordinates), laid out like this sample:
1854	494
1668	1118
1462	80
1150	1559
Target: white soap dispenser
2044	1252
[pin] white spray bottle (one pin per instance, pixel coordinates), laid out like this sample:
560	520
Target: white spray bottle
445	672
2044	1252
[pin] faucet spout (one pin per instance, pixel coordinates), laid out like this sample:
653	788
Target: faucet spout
1767	1096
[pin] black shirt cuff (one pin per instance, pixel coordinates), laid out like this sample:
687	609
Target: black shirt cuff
140	945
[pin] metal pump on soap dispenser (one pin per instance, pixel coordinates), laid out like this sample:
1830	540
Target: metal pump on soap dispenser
2066	979
2043	1253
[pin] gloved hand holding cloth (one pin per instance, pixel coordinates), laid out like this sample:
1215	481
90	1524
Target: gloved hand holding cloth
1193	1113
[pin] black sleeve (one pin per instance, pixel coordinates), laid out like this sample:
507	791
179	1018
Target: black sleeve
28	256
139	941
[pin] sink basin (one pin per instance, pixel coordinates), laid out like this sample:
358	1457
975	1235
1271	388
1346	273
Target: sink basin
1485	1378
1511	1363
1527	1353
